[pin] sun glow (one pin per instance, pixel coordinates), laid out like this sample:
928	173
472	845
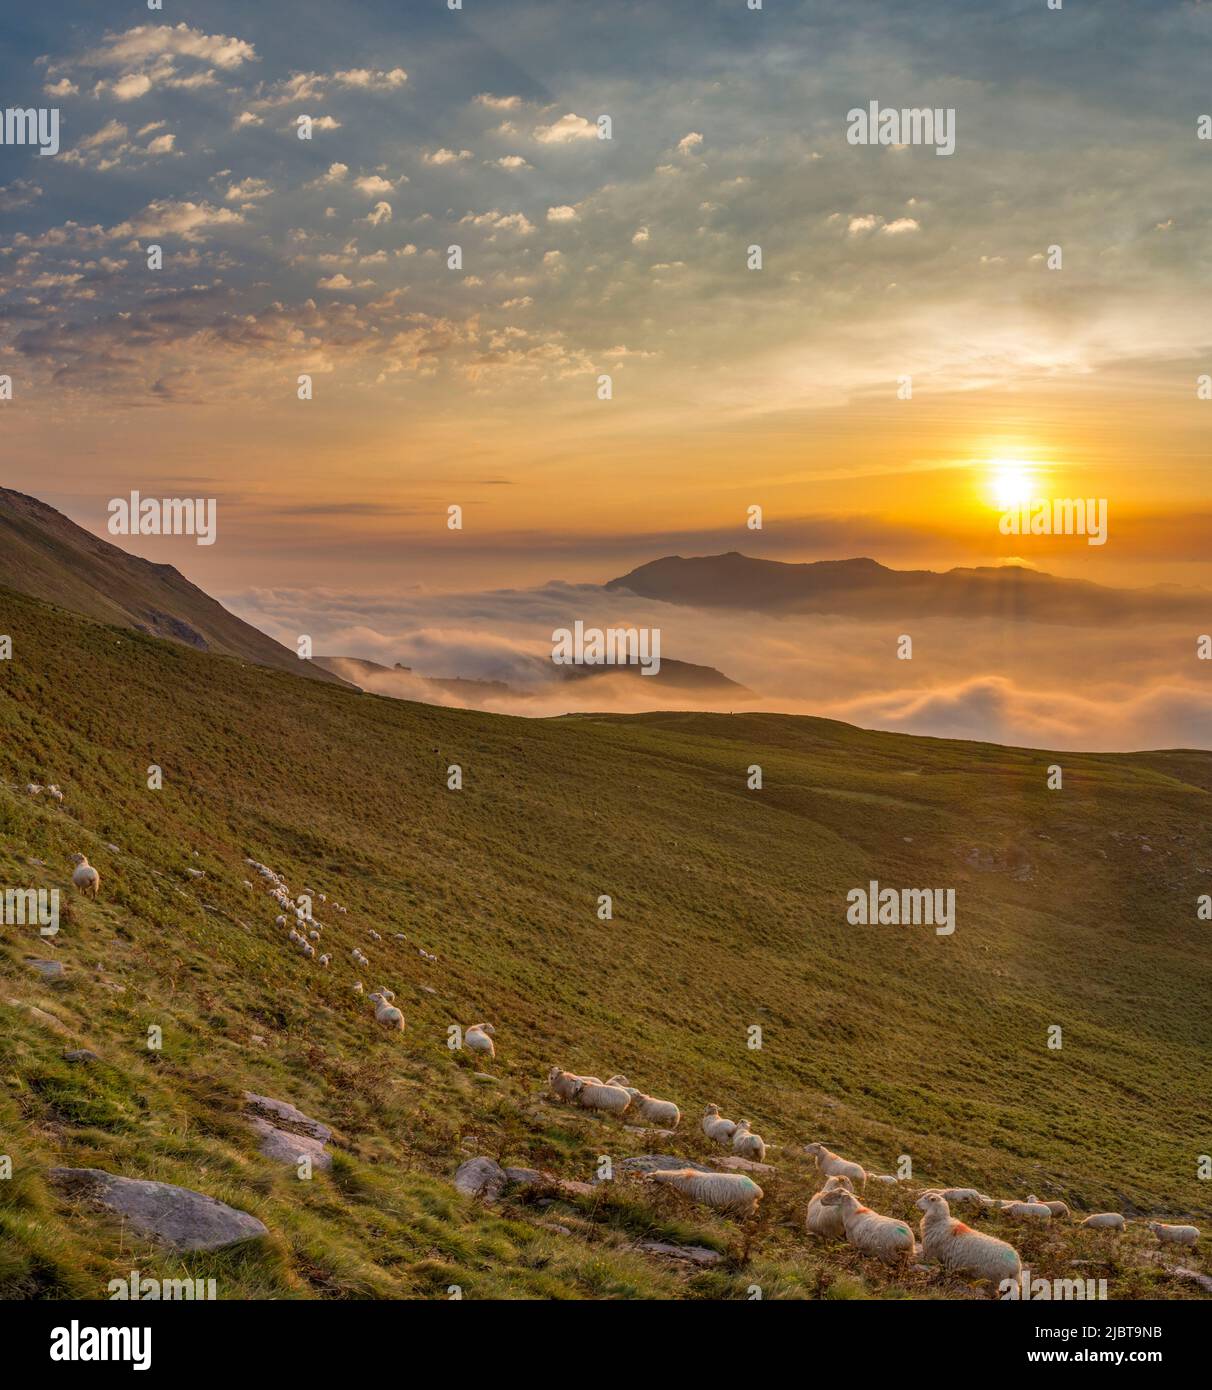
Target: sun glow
1011	483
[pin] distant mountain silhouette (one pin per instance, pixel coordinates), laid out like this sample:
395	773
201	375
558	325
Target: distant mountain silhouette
863	588
48	557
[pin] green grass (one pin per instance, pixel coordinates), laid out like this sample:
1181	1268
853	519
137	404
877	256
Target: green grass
729	911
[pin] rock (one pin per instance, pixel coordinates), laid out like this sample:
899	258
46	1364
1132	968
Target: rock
651	1163
484	1076
80	1054
657	1133
535	1177
287	1134
481	1177
50	970
282	1115
696	1254
176	1216
745	1165
1195	1277
113	849
40	1016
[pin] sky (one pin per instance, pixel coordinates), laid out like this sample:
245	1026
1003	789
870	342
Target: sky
479	386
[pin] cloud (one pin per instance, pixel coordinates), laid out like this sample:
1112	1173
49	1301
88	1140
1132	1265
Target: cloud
689	143
567	128
498	103
248	190
438	158
168	217
369	183
562	214
512	162
380	213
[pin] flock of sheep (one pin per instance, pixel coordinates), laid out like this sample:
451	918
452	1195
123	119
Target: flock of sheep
835	1212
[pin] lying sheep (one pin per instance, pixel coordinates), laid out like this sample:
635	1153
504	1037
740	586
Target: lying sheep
959	1248
716	1127
385	1013
479	1038
618	1080
748	1144
729	1192
85	877
827	1221
885	1237
1174	1235
662	1114
1058	1209
1026	1211
957	1195
613	1100
834	1166
1103	1221
564	1085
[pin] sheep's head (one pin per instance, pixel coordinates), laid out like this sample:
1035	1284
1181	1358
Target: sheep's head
711	1110
816	1149
78	859
835	1184
931	1203
841	1198
377	997
488	1028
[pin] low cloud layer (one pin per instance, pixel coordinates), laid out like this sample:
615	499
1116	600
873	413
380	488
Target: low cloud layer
1011	683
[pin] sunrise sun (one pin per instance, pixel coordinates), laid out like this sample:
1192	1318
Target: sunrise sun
1011	482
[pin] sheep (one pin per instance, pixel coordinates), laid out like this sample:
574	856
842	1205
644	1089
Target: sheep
662	1114
833	1166
307	948
1174	1235
84	876
716	1127
736	1193
279	921
358	958
1058	1209
374	935
33	788
961	1194
885	1237
826	1221
564	1085
386	1014
746	1143
314	934
479	1038
325	960
386	993
598	1096
1103	1221
357	986
618	1080
1026	1211
55	792
959	1248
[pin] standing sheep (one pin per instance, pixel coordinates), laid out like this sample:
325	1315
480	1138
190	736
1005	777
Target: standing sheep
826	1221
959	1248
1174	1235
564	1085
716	1127
385	1013
613	1100
748	1144
1103	1221
85	877
479	1038
1026	1211
834	1166
884	1237
662	1114
728	1192
1058	1209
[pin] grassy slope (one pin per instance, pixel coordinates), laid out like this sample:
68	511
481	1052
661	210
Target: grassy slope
729	910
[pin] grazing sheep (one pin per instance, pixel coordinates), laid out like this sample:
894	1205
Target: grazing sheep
479	1038
716	1127
564	1085
1103	1221
357	986
1058	1209
826	1221
325	960
885	1237
1174	1235
306	947
618	1080
611	1099
730	1192
1026	1211
358	958
374	935
834	1166
279	921
33	788
387	1014
662	1114
959	1248
746	1143
85	877
55	792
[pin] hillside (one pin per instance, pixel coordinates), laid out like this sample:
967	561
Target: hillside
48	557
866	589
1074	908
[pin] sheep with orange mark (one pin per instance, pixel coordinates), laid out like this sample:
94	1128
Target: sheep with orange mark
960	1249
886	1237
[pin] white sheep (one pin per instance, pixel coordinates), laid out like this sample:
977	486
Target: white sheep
1103	1221
85	877
662	1114
33	788
385	1013
357	986
959	1248
325	960
746	1143
716	1127
279	921
55	792
479	1038
736	1193
826	1221
961	1194
598	1096
1058	1209
886	1237
618	1079
564	1085
358	958
374	935
1026	1211
834	1166
307	948
1174	1235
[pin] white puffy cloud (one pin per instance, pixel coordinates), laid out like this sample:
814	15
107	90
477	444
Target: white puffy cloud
567	128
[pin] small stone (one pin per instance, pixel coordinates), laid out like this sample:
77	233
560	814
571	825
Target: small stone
80	1054
695	1254
481	1177
50	970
